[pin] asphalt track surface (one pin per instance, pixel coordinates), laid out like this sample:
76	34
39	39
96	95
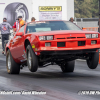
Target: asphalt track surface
58	86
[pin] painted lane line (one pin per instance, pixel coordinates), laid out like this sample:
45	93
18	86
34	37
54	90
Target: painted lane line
3	59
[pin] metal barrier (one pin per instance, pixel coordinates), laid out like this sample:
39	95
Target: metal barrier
91	28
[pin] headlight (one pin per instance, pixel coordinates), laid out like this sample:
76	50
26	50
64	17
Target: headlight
94	35
91	35
88	35
49	37
42	37
45	38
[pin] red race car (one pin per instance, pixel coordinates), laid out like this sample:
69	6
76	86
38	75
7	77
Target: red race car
42	43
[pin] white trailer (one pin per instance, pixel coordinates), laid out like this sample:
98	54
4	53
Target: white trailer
66	11
40	9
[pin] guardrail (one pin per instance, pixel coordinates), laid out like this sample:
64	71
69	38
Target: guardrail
91	28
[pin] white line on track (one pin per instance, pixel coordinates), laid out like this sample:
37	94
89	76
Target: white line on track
3	59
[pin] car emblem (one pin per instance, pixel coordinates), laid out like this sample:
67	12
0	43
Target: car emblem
70	35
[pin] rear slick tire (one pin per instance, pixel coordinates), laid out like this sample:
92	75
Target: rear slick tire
12	66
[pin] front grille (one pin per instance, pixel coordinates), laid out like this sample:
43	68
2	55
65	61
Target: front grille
60	44
60	38
81	43
80	37
71	37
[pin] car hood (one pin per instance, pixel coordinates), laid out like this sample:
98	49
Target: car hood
64	32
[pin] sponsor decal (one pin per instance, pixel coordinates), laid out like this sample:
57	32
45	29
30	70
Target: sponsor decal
24	55
33	46
23	60
24	51
36	53
50	8
36	49
50	13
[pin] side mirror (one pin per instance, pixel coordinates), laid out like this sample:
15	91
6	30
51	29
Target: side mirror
19	34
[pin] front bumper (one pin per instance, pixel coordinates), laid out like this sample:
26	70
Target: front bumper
68	52
72	48
70	44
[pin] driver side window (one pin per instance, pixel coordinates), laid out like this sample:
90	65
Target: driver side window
30	29
22	29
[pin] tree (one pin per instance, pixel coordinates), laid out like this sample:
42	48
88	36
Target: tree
86	8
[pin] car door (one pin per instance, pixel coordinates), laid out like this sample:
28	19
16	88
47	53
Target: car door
20	45
15	47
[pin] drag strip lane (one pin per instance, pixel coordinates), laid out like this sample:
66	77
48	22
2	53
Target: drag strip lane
58	86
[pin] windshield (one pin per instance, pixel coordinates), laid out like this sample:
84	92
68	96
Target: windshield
50	26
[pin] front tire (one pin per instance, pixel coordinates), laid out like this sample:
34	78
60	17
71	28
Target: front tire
12	66
68	66
93	60
32	60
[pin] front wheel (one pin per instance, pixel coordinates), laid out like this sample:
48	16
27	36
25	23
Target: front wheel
93	60
68	66
12	66
32	60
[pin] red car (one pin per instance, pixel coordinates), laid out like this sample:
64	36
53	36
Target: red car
42	43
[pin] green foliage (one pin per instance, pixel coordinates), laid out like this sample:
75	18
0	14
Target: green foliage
86	8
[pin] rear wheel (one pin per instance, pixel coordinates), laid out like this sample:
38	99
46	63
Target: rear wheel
32	60
68	66
93	60
12	66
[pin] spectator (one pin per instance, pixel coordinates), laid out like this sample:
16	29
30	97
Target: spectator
33	19
21	21
5	31
16	26
71	19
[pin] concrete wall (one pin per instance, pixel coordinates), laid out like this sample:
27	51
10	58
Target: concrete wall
88	24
